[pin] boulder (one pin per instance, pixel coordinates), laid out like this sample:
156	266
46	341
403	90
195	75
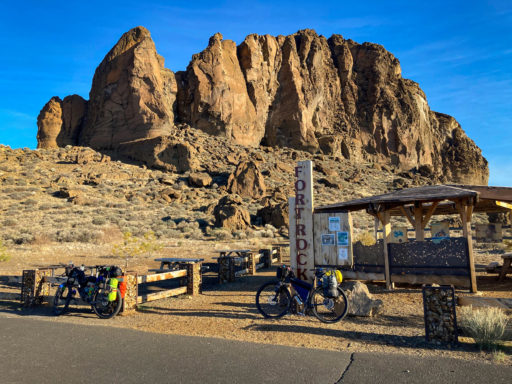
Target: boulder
247	180
199	179
360	300
230	213
276	214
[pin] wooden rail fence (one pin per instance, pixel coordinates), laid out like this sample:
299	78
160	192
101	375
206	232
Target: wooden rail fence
36	284
191	272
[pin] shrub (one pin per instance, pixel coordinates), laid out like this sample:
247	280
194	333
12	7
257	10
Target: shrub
486	325
366	238
99	220
132	247
4	255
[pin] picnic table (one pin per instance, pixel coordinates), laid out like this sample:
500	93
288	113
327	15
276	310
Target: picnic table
173	263
507	268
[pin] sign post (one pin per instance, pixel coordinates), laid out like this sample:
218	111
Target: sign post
302	258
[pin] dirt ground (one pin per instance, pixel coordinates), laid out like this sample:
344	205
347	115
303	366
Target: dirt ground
228	310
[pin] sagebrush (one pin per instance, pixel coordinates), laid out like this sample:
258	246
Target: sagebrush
4	255
133	247
485	325
366	238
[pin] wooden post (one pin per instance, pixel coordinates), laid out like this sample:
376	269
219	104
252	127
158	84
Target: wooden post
386	232
279	254
376	228
267	257
251	263
466	212
418	221
132	292
194	279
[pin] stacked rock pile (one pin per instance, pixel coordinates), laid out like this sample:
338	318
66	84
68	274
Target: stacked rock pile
440	320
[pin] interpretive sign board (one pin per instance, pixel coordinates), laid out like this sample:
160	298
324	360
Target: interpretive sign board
333	243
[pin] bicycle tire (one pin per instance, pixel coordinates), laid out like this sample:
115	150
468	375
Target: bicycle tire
61	304
272	300
103	308
326	309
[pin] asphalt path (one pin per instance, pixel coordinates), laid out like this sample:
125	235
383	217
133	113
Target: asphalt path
41	351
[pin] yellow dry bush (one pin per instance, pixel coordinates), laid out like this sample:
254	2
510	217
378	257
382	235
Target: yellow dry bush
4	255
366	238
132	247
508	245
485	325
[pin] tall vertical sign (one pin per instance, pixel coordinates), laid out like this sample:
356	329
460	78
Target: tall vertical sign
302	256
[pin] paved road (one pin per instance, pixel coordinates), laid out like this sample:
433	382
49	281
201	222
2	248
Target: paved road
41	351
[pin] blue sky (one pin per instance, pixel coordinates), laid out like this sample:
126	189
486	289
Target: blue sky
460	52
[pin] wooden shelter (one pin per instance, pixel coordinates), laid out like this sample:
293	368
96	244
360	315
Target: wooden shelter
418	205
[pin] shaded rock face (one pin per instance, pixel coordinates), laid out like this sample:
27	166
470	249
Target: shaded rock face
303	91
276	214
162	152
213	95
132	95
60	121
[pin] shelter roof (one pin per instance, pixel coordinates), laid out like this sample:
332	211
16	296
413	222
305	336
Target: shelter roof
482	197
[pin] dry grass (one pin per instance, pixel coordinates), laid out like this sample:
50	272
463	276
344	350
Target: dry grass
486	325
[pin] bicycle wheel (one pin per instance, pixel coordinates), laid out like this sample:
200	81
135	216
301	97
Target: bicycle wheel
273	300
104	308
327	309
61	300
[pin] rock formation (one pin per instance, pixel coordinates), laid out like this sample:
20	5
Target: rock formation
303	91
132	94
60	121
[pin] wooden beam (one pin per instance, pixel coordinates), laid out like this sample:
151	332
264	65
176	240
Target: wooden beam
408	215
466	231
458	281
161	276
161	294
469	213
384	217
418	219
503	204
376	224
367	276
429	214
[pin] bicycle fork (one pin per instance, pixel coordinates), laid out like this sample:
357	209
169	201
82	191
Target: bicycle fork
299	304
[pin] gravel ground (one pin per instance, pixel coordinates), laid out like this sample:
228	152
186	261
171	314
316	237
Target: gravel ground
228	311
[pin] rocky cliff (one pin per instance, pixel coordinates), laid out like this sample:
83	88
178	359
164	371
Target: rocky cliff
303	91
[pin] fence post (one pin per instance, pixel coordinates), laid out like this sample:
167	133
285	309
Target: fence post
33	287
279	254
132	292
194	279
251	263
267	257
226	269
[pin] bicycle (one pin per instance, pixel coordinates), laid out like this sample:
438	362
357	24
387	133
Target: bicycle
327	301
100	290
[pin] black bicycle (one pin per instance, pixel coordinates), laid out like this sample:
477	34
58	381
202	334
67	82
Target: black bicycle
324	297
100	290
